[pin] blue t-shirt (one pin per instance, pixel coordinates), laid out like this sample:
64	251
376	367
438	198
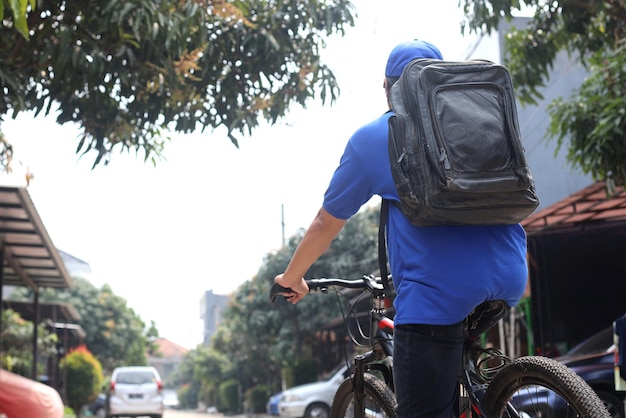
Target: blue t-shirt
440	273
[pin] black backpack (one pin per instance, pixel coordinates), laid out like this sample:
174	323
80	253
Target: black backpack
455	147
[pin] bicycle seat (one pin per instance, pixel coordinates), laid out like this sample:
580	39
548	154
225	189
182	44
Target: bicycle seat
484	316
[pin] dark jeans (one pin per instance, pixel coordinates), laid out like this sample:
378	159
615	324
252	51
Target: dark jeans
426	363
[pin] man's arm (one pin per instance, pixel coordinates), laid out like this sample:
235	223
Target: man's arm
316	240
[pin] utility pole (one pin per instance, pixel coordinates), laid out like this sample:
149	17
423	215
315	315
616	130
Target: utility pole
282	221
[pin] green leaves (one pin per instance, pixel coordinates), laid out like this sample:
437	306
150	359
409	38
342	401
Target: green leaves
17	338
126	71
594	119
260	341
83	373
114	332
18	10
590	124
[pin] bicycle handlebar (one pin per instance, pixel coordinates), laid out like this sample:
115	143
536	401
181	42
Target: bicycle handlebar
370	283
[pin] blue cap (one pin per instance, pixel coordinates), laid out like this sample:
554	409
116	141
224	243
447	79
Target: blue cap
406	52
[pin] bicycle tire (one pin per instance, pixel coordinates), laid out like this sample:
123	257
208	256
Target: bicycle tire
380	401
540	386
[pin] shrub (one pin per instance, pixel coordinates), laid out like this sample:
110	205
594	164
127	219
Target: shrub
84	377
257	398
229	397
68	412
188	396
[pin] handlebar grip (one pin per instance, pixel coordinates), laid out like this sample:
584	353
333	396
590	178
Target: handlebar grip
276	291
313	284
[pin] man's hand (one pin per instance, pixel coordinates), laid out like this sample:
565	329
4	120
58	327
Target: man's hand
299	288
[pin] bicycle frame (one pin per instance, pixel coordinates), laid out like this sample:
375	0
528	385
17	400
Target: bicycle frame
380	325
471	382
380	328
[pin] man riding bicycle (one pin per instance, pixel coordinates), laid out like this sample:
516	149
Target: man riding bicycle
440	273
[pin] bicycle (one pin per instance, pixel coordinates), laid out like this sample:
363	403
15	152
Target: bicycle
491	385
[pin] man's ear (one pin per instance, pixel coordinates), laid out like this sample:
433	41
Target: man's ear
386	86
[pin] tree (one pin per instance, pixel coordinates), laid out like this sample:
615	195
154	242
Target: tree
128	71
16	339
594	117
151	334
115	334
200	374
256	343
355	250
265	339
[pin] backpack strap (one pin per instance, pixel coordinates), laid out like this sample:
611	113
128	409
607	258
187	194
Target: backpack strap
382	247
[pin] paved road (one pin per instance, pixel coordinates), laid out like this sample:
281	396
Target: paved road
170	413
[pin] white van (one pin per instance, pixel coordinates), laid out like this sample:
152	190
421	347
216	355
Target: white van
135	391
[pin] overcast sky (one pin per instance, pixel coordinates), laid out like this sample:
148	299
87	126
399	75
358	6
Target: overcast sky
205	218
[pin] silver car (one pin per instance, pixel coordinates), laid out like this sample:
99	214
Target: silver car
135	392
312	400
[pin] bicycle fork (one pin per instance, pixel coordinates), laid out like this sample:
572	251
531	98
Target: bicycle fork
358	382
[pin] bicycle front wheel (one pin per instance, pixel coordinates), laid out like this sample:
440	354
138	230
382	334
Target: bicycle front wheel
533	387
380	401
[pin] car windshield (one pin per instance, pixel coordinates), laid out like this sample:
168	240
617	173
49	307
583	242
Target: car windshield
135	377
600	342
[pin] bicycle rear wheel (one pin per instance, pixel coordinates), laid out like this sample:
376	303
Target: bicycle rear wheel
380	401
540	387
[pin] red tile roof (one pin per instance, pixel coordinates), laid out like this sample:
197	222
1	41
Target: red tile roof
589	208
169	349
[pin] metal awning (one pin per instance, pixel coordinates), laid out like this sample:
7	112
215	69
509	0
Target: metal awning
56	312
30	259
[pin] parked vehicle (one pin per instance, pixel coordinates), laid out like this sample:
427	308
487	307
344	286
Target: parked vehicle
312	400
135	391
592	360
170	399
271	408
97	407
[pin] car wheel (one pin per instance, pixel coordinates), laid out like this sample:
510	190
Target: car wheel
613	404
317	410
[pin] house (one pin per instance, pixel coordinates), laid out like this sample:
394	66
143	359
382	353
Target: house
577	271
168	357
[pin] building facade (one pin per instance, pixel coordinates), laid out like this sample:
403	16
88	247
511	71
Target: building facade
211	308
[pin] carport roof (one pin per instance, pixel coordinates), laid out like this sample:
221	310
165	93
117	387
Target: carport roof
56	312
29	259
588	209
